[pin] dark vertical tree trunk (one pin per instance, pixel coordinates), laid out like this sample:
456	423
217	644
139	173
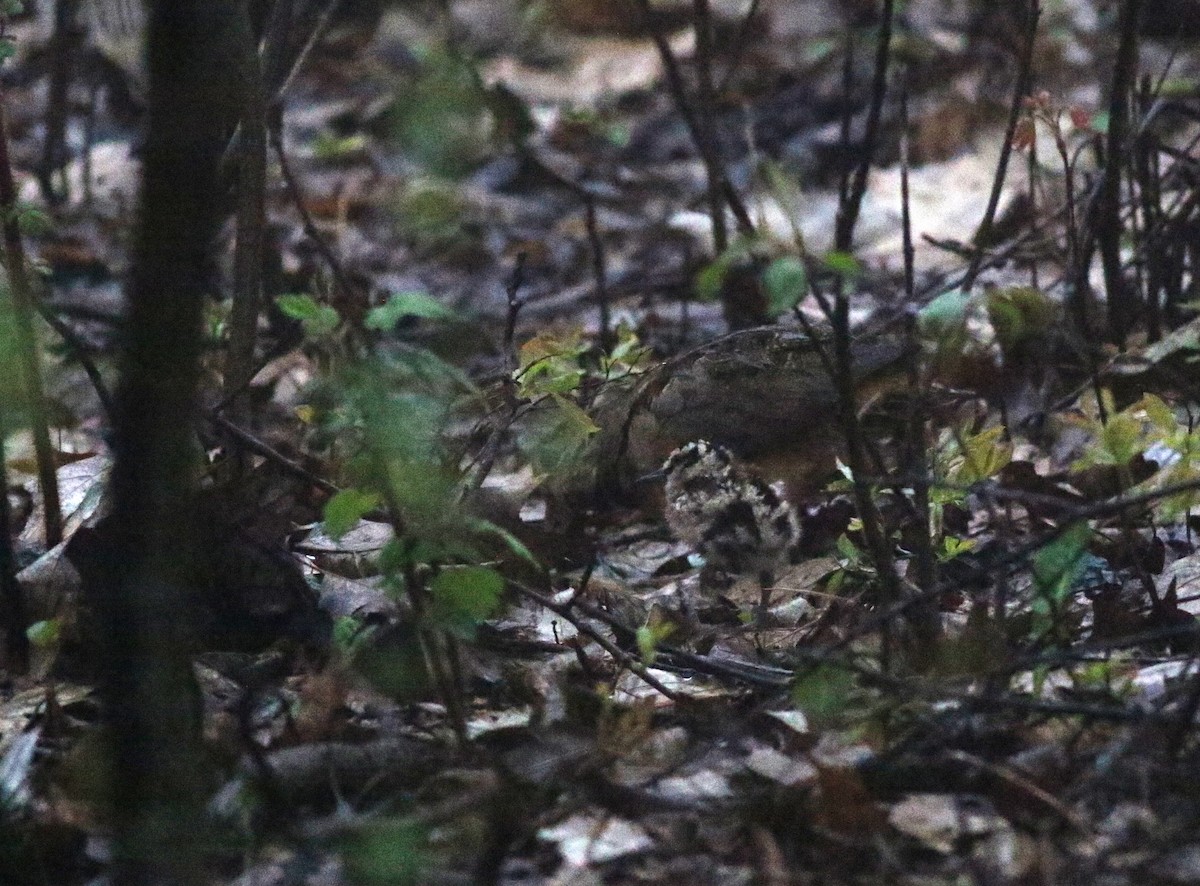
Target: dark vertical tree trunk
149	550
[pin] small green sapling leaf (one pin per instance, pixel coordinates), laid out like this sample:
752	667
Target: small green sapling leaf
318	319
406	304
345	509
465	595
786	280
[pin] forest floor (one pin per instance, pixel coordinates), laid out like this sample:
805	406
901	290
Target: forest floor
448	636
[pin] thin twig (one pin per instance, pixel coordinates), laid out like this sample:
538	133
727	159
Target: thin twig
905	202
63	44
679	94
854	186
1020	90
1025	786
79	351
1019	555
705	113
851	191
276	91
306	220
739	44
1187	717
599	271
491	448
259	447
621	656
917	458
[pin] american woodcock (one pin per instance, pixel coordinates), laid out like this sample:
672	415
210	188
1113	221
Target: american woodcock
763	389
736	521
765	396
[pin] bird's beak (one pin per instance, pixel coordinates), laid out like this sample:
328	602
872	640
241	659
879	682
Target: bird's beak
653	477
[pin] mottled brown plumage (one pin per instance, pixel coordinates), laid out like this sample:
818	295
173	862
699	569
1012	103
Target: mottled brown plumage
736	521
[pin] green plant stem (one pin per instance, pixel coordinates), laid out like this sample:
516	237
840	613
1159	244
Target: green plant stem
438	654
851	194
27	346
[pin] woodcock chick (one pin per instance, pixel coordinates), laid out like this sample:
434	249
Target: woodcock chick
738	523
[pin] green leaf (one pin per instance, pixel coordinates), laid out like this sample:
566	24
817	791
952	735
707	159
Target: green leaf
843	264
406	304
298	307
395	556
555	436
405	425
986	454
330	147
952	546
318	319
44	634
433	214
1058	570
345	509
710	279
1121	438
786	281
347	632
1058	564
847	550
657	630
386	852
31	220
514	544
628	355
1019	312
823	693
427	495
1159	414
549	363
712	276
465	595
472	590
647	644
442	117
943	315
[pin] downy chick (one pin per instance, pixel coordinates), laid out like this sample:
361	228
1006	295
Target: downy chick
736	521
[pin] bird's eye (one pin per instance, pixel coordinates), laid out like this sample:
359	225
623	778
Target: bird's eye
683	457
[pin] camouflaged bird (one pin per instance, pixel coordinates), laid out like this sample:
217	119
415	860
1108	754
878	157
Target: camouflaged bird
738	523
